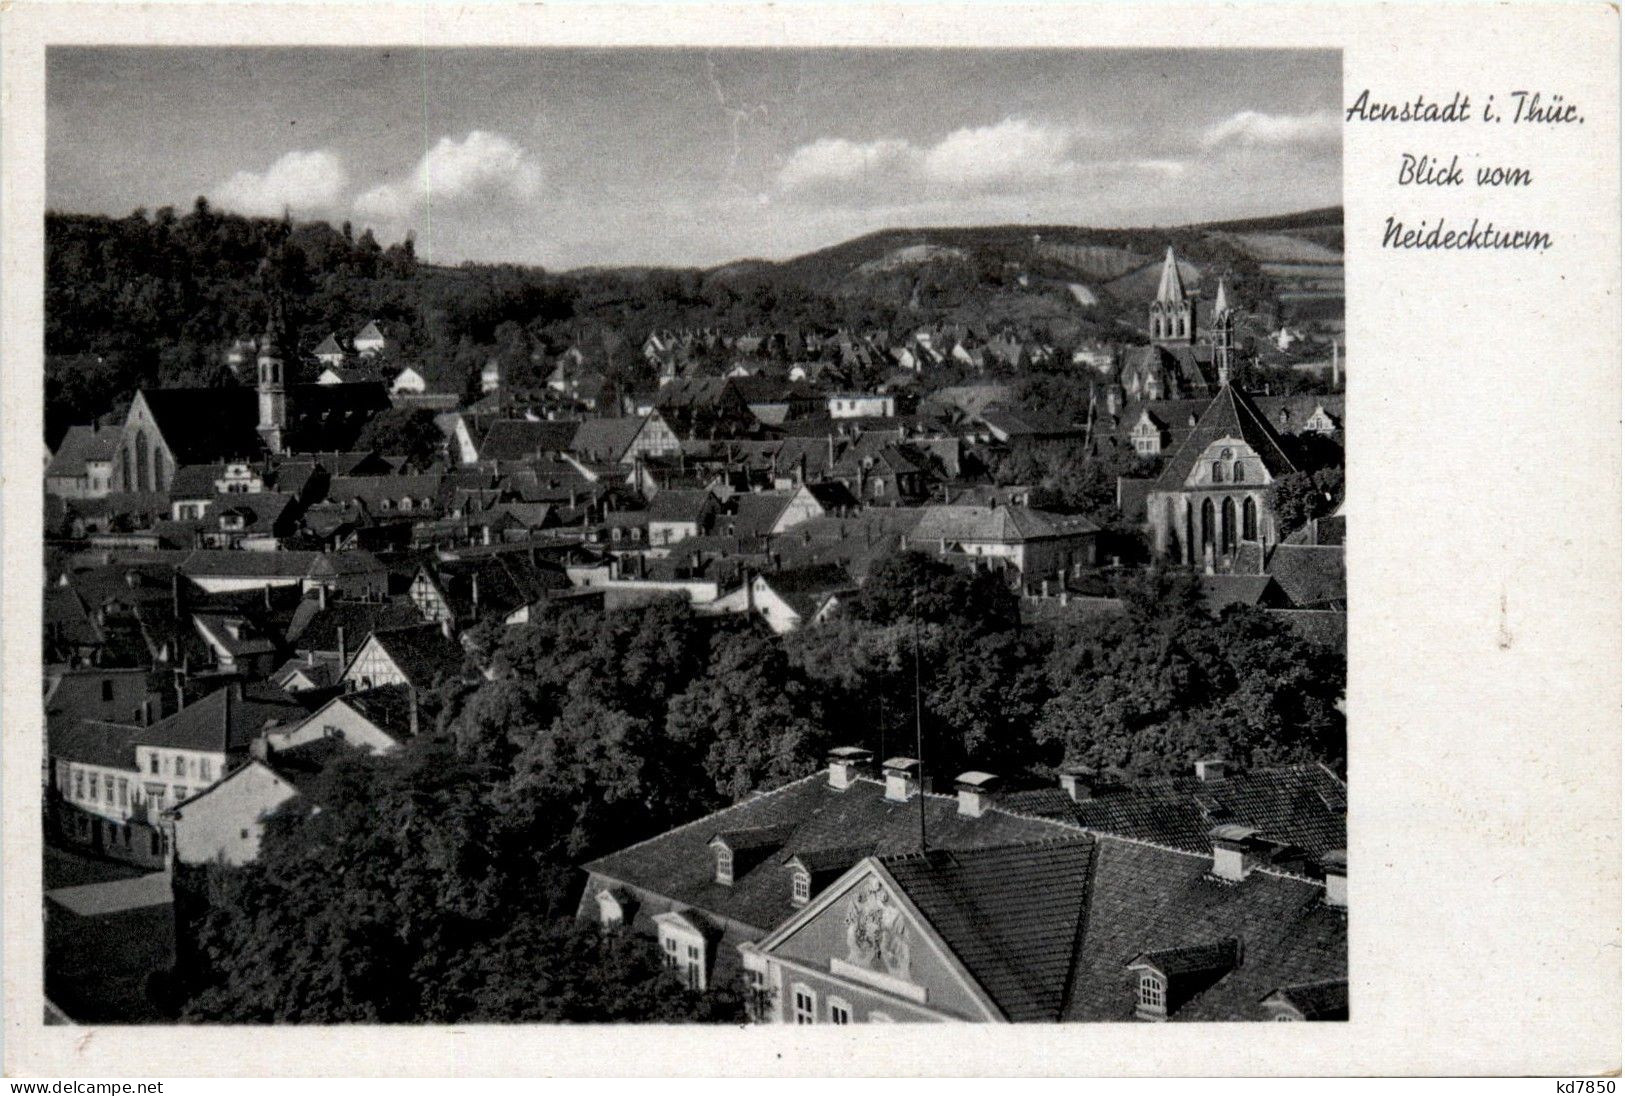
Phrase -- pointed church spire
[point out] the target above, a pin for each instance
(1172, 317)
(1223, 335)
(1171, 289)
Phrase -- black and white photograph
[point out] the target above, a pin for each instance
(694, 535)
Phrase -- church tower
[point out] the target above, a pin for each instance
(1224, 335)
(1173, 315)
(273, 396)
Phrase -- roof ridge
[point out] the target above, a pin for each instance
(705, 818)
(1261, 422)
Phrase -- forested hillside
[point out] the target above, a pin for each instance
(156, 298)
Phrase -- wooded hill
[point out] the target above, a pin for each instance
(156, 298)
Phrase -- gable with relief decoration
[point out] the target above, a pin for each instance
(865, 933)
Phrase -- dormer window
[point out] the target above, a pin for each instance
(683, 948)
(800, 888)
(725, 865)
(1153, 1002)
(611, 913)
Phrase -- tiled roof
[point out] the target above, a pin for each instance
(422, 652)
(387, 707)
(756, 512)
(1221, 590)
(223, 562)
(247, 641)
(507, 581)
(221, 722)
(195, 481)
(1326, 1000)
(1230, 415)
(1301, 805)
(316, 629)
(373, 491)
(93, 742)
(1010, 916)
(1299, 409)
(678, 864)
(356, 561)
(605, 439)
(805, 588)
(1145, 899)
(1193, 959)
(261, 511)
(81, 444)
(519, 439)
(1311, 575)
(1008, 524)
(321, 670)
(1028, 424)
(681, 504)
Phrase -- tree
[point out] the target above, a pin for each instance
(406, 431)
(753, 715)
(580, 974)
(912, 585)
(1151, 691)
(1297, 498)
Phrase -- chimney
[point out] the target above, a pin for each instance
(1210, 769)
(1080, 782)
(975, 792)
(1336, 865)
(321, 595)
(343, 661)
(902, 778)
(845, 762)
(259, 748)
(175, 592)
(1233, 851)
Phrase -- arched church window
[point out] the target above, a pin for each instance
(1218, 471)
(1225, 454)
(1238, 473)
(157, 469)
(1227, 526)
(1249, 519)
(143, 481)
(1207, 522)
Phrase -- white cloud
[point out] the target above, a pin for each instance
(1254, 128)
(482, 168)
(1012, 152)
(298, 181)
(835, 161)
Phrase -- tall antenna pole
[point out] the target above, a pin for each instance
(919, 723)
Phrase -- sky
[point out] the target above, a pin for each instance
(691, 157)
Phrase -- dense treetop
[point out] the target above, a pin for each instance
(427, 874)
